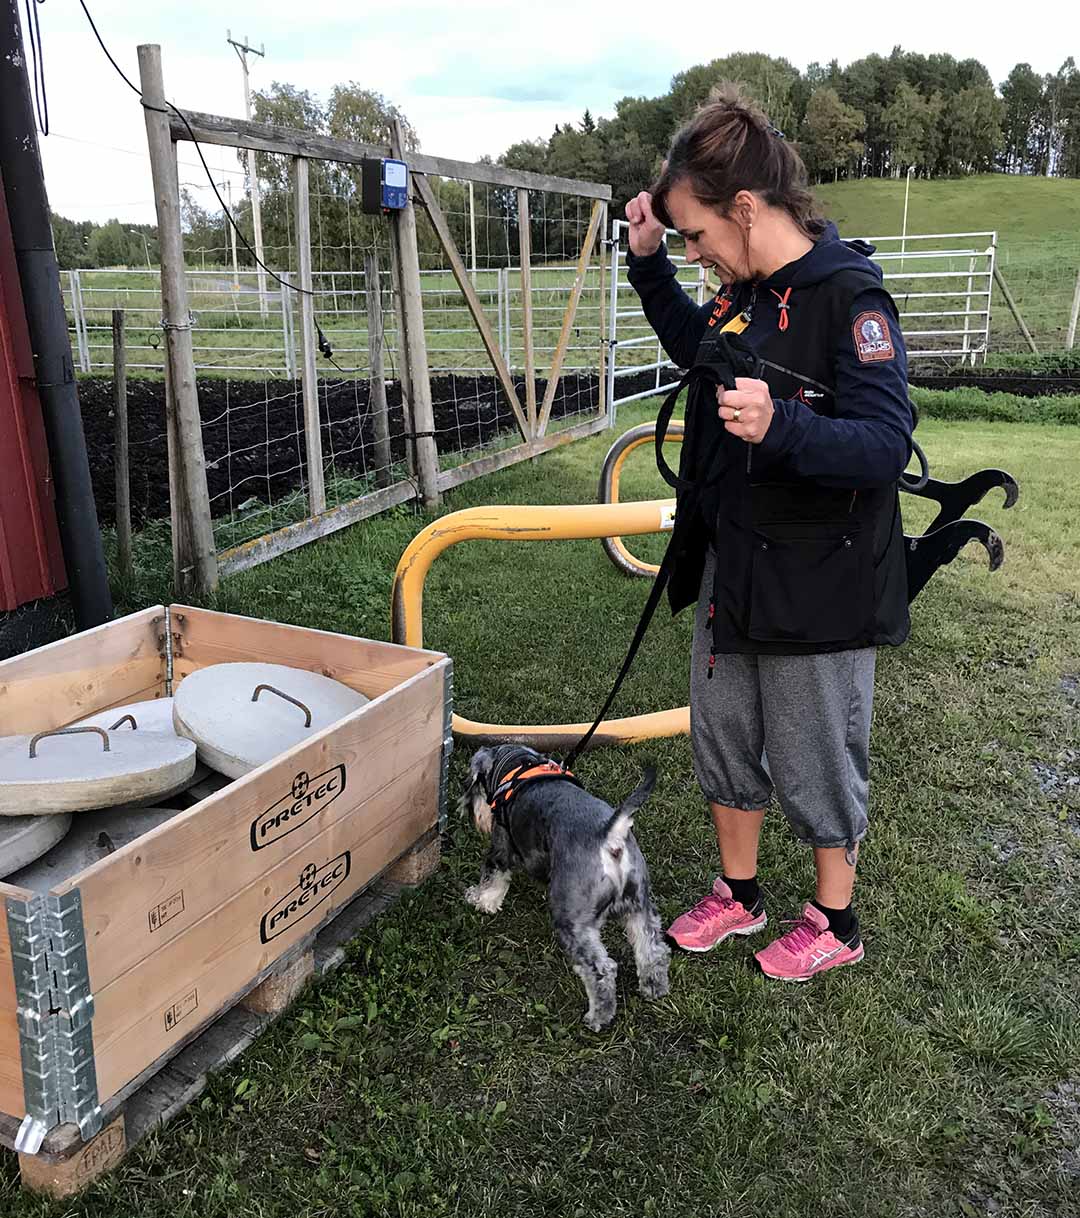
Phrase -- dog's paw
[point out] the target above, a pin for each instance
(655, 986)
(597, 1021)
(487, 900)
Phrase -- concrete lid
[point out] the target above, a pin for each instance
(26, 838)
(154, 715)
(72, 770)
(213, 706)
(93, 836)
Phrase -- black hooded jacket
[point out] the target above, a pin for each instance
(806, 524)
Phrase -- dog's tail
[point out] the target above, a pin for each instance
(618, 827)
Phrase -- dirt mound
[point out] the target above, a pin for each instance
(253, 432)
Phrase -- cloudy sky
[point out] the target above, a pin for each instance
(473, 76)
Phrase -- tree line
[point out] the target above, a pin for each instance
(83, 243)
(880, 116)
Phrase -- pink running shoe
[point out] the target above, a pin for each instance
(808, 948)
(714, 918)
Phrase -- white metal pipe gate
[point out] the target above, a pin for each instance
(943, 295)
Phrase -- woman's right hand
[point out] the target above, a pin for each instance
(646, 231)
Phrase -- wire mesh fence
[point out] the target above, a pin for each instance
(249, 349)
(1043, 276)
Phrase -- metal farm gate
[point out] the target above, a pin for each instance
(941, 282)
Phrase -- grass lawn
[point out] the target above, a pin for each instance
(1019, 208)
(1037, 221)
(446, 1070)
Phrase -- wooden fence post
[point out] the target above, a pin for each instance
(423, 415)
(402, 361)
(179, 515)
(602, 406)
(1014, 310)
(309, 376)
(122, 495)
(202, 576)
(1074, 314)
(377, 391)
(525, 251)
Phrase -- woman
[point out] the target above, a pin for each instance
(795, 552)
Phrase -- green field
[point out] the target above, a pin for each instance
(231, 333)
(1037, 221)
(1019, 209)
(445, 1071)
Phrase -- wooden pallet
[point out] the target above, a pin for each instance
(66, 1164)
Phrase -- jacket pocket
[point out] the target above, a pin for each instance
(811, 582)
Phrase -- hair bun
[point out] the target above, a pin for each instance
(731, 97)
(730, 145)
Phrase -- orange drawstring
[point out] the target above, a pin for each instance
(782, 306)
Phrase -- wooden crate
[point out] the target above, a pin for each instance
(108, 975)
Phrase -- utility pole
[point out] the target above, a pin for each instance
(243, 50)
(134, 232)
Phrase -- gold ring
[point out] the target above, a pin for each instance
(736, 413)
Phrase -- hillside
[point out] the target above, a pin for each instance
(1019, 208)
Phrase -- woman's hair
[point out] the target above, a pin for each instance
(729, 145)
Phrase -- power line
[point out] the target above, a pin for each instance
(198, 148)
(37, 56)
(142, 154)
(103, 206)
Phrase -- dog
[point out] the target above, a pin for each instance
(541, 821)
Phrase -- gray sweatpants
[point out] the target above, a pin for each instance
(799, 724)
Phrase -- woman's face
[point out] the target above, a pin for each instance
(711, 239)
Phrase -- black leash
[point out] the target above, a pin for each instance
(719, 361)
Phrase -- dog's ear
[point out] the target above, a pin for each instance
(480, 765)
(474, 798)
(641, 792)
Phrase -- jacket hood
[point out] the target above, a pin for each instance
(828, 256)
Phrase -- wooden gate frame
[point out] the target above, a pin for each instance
(532, 422)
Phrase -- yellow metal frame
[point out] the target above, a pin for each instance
(644, 433)
(531, 524)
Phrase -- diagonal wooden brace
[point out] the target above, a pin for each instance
(491, 343)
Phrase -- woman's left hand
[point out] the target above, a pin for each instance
(747, 410)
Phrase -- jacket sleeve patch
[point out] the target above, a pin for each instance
(872, 339)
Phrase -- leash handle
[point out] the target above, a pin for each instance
(663, 422)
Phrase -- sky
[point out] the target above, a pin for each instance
(472, 77)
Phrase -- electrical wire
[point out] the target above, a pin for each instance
(324, 345)
(37, 56)
(198, 148)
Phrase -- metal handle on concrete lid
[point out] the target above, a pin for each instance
(126, 719)
(296, 702)
(68, 731)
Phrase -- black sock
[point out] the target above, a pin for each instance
(746, 892)
(842, 922)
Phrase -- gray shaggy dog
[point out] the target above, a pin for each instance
(546, 825)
